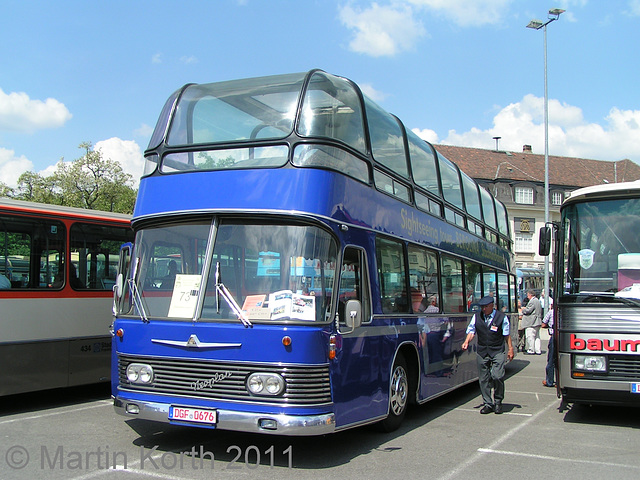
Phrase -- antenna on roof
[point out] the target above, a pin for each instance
(496, 139)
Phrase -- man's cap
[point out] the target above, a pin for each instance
(485, 301)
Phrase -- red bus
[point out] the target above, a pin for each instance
(57, 271)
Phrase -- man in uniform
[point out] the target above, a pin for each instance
(492, 328)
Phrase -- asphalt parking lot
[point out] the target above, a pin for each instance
(75, 434)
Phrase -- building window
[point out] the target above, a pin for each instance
(524, 195)
(524, 244)
(556, 198)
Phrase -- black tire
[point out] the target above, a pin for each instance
(398, 395)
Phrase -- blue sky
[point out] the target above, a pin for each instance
(458, 72)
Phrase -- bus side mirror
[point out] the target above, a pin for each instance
(119, 285)
(544, 246)
(353, 314)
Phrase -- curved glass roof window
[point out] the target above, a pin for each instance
(387, 140)
(423, 163)
(450, 182)
(488, 208)
(503, 222)
(163, 121)
(228, 158)
(325, 156)
(471, 196)
(331, 108)
(235, 111)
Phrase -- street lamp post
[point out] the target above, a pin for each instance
(554, 14)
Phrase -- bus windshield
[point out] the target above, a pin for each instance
(272, 272)
(602, 248)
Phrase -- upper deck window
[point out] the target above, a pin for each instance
(488, 208)
(331, 108)
(450, 182)
(257, 108)
(423, 163)
(503, 220)
(471, 196)
(387, 141)
(324, 156)
(226, 158)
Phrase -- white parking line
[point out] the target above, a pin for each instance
(551, 391)
(102, 403)
(456, 472)
(137, 468)
(547, 457)
(475, 410)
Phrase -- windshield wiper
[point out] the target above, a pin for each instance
(222, 290)
(629, 301)
(137, 300)
(608, 297)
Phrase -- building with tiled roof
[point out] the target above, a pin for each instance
(517, 180)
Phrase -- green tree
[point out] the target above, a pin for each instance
(36, 188)
(96, 183)
(88, 182)
(6, 190)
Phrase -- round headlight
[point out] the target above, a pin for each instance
(139, 373)
(274, 385)
(132, 373)
(255, 384)
(146, 374)
(263, 383)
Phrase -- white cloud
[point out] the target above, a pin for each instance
(372, 93)
(382, 31)
(467, 13)
(426, 134)
(188, 59)
(522, 123)
(125, 152)
(11, 167)
(19, 113)
(157, 58)
(634, 8)
(144, 131)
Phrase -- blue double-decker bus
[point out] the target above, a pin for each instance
(302, 263)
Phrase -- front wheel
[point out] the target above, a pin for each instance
(398, 395)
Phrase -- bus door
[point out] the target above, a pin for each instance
(357, 363)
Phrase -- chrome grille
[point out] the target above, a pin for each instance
(306, 385)
(599, 317)
(624, 366)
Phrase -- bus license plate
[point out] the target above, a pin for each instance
(635, 388)
(197, 415)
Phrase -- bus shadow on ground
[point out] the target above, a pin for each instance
(609, 416)
(56, 398)
(311, 453)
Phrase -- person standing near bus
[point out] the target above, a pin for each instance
(531, 322)
(492, 328)
(550, 370)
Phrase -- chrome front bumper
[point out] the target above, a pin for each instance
(294, 425)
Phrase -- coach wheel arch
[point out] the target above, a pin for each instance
(402, 388)
(410, 354)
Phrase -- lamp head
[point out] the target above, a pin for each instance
(535, 24)
(556, 11)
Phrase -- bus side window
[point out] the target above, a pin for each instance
(93, 255)
(353, 282)
(391, 276)
(453, 299)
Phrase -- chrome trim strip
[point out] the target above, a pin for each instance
(194, 342)
(298, 425)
